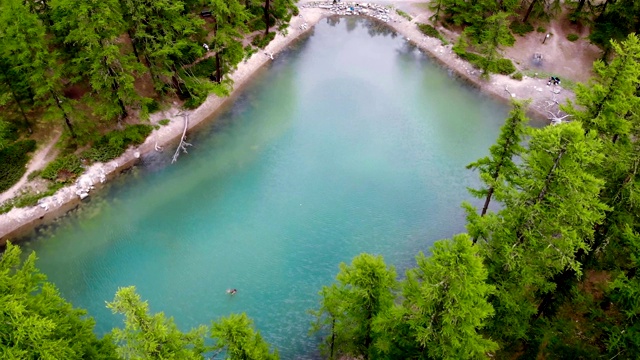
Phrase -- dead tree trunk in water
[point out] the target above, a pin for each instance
(183, 144)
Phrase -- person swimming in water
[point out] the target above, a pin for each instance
(232, 291)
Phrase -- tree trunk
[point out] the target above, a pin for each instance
(64, 114)
(218, 68)
(24, 115)
(486, 201)
(333, 337)
(267, 4)
(526, 16)
(133, 45)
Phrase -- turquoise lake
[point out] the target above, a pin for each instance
(351, 141)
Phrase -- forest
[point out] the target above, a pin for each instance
(547, 268)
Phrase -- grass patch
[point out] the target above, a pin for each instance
(517, 76)
(114, 143)
(573, 37)
(521, 28)
(566, 83)
(404, 14)
(432, 32)
(29, 199)
(13, 159)
(63, 169)
(540, 29)
(164, 122)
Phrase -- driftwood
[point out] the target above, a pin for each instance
(183, 144)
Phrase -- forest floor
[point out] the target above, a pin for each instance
(571, 61)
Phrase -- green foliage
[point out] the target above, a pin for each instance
(236, 336)
(262, 41)
(430, 31)
(151, 336)
(63, 169)
(404, 14)
(503, 66)
(164, 122)
(573, 37)
(204, 68)
(445, 302)
(14, 158)
(517, 76)
(541, 29)
(153, 106)
(521, 28)
(35, 322)
(114, 143)
(348, 309)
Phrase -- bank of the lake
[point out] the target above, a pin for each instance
(330, 153)
(22, 220)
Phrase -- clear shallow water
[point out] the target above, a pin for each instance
(352, 141)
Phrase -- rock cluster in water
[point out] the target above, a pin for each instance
(352, 8)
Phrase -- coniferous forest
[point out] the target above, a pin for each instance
(546, 270)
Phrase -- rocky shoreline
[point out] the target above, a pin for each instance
(20, 221)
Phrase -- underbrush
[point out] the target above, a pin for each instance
(521, 28)
(114, 143)
(262, 41)
(63, 169)
(432, 32)
(404, 14)
(13, 159)
(29, 198)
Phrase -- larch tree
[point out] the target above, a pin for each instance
(36, 322)
(446, 304)
(236, 337)
(606, 102)
(152, 336)
(230, 18)
(350, 307)
(28, 53)
(500, 168)
(163, 34)
(93, 28)
(545, 223)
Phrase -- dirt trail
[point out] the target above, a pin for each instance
(37, 162)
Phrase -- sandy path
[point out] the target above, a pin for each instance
(18, 221)
(37, 162)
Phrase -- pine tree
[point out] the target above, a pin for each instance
(350, 307)
(545, 223)
(152, 336)
(36, 322)
(235, 335)
(445, 302)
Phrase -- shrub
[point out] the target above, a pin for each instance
(164, 122)
(540, 29)
(63, 169)
(114, 143)
(504, 67)
(429, 31)
(263, 41)
(517, 76)
(152, 106)
(34, 174)
(521, 28)
(573, 37)
(13, 159)
(204, 68)
(404, 14)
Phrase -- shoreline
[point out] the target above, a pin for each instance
(19, 221)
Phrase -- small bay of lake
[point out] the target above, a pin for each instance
(353, 141)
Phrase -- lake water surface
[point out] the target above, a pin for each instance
(352, 141)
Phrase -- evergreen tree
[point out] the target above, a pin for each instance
(500, 167)
(235, 335)
(36, 322)
(350, 307)
(230, 18)
(94, 28)
(445, 303)
(544, 224)
(152, 336)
